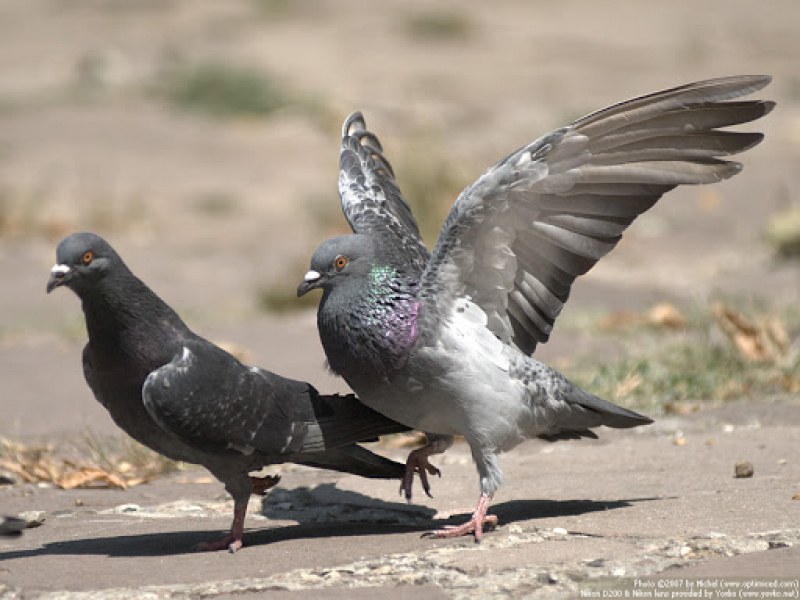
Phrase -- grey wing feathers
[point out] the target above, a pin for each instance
(371, 200)
(208, 399)
(518, 237)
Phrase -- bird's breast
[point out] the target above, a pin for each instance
(369, 341)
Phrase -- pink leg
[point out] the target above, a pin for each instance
(474, 525)
(417, 462)
(232, 541)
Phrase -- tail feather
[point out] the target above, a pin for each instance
(344, 420)
(584, 411)
(612, 414)
(356, 460)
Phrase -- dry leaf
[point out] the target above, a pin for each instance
(796, 496)
(38, 465)
(17, 469)
(88, 476)
(133, 481)
(200, 479)
(682, 408)
(755, 342)
(663, 314)
(620, 319)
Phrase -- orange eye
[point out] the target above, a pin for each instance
(340, 262)
(87, 257)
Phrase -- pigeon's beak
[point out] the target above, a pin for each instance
(311, 281)
(59, 275)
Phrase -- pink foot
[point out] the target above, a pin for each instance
(228, 542)
(261, 485)
(233, 541)
(417, 462)
(475, 525)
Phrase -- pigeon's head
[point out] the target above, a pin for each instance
(338, 260)
(82, 259)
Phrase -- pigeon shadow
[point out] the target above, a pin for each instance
(320, 512)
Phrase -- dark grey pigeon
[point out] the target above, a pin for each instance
(442, 341)
(191, 401)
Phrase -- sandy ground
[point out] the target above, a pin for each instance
(211, 211)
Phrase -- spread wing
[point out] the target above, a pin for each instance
(518, 237)
(211, 401)
(371, 200)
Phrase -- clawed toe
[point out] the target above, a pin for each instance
(261, 485)
(476, 525)
(418, 462)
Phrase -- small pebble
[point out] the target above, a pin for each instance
(685, 551)
(743, 469)
(597, 563)
(560, 531)
(33, 518)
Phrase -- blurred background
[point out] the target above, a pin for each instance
(201, 139)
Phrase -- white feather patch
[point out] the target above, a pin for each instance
(470, 321)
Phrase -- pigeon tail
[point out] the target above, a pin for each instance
(343, 420)
(356, 460)
(613, 415)
(585, 411)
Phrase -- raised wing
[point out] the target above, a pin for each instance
(518, 237)
(208, 399)
(371, 200)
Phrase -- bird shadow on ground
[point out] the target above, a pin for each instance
(320, 512)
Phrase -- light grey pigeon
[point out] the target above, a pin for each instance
(189, 400)
(442, 341)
